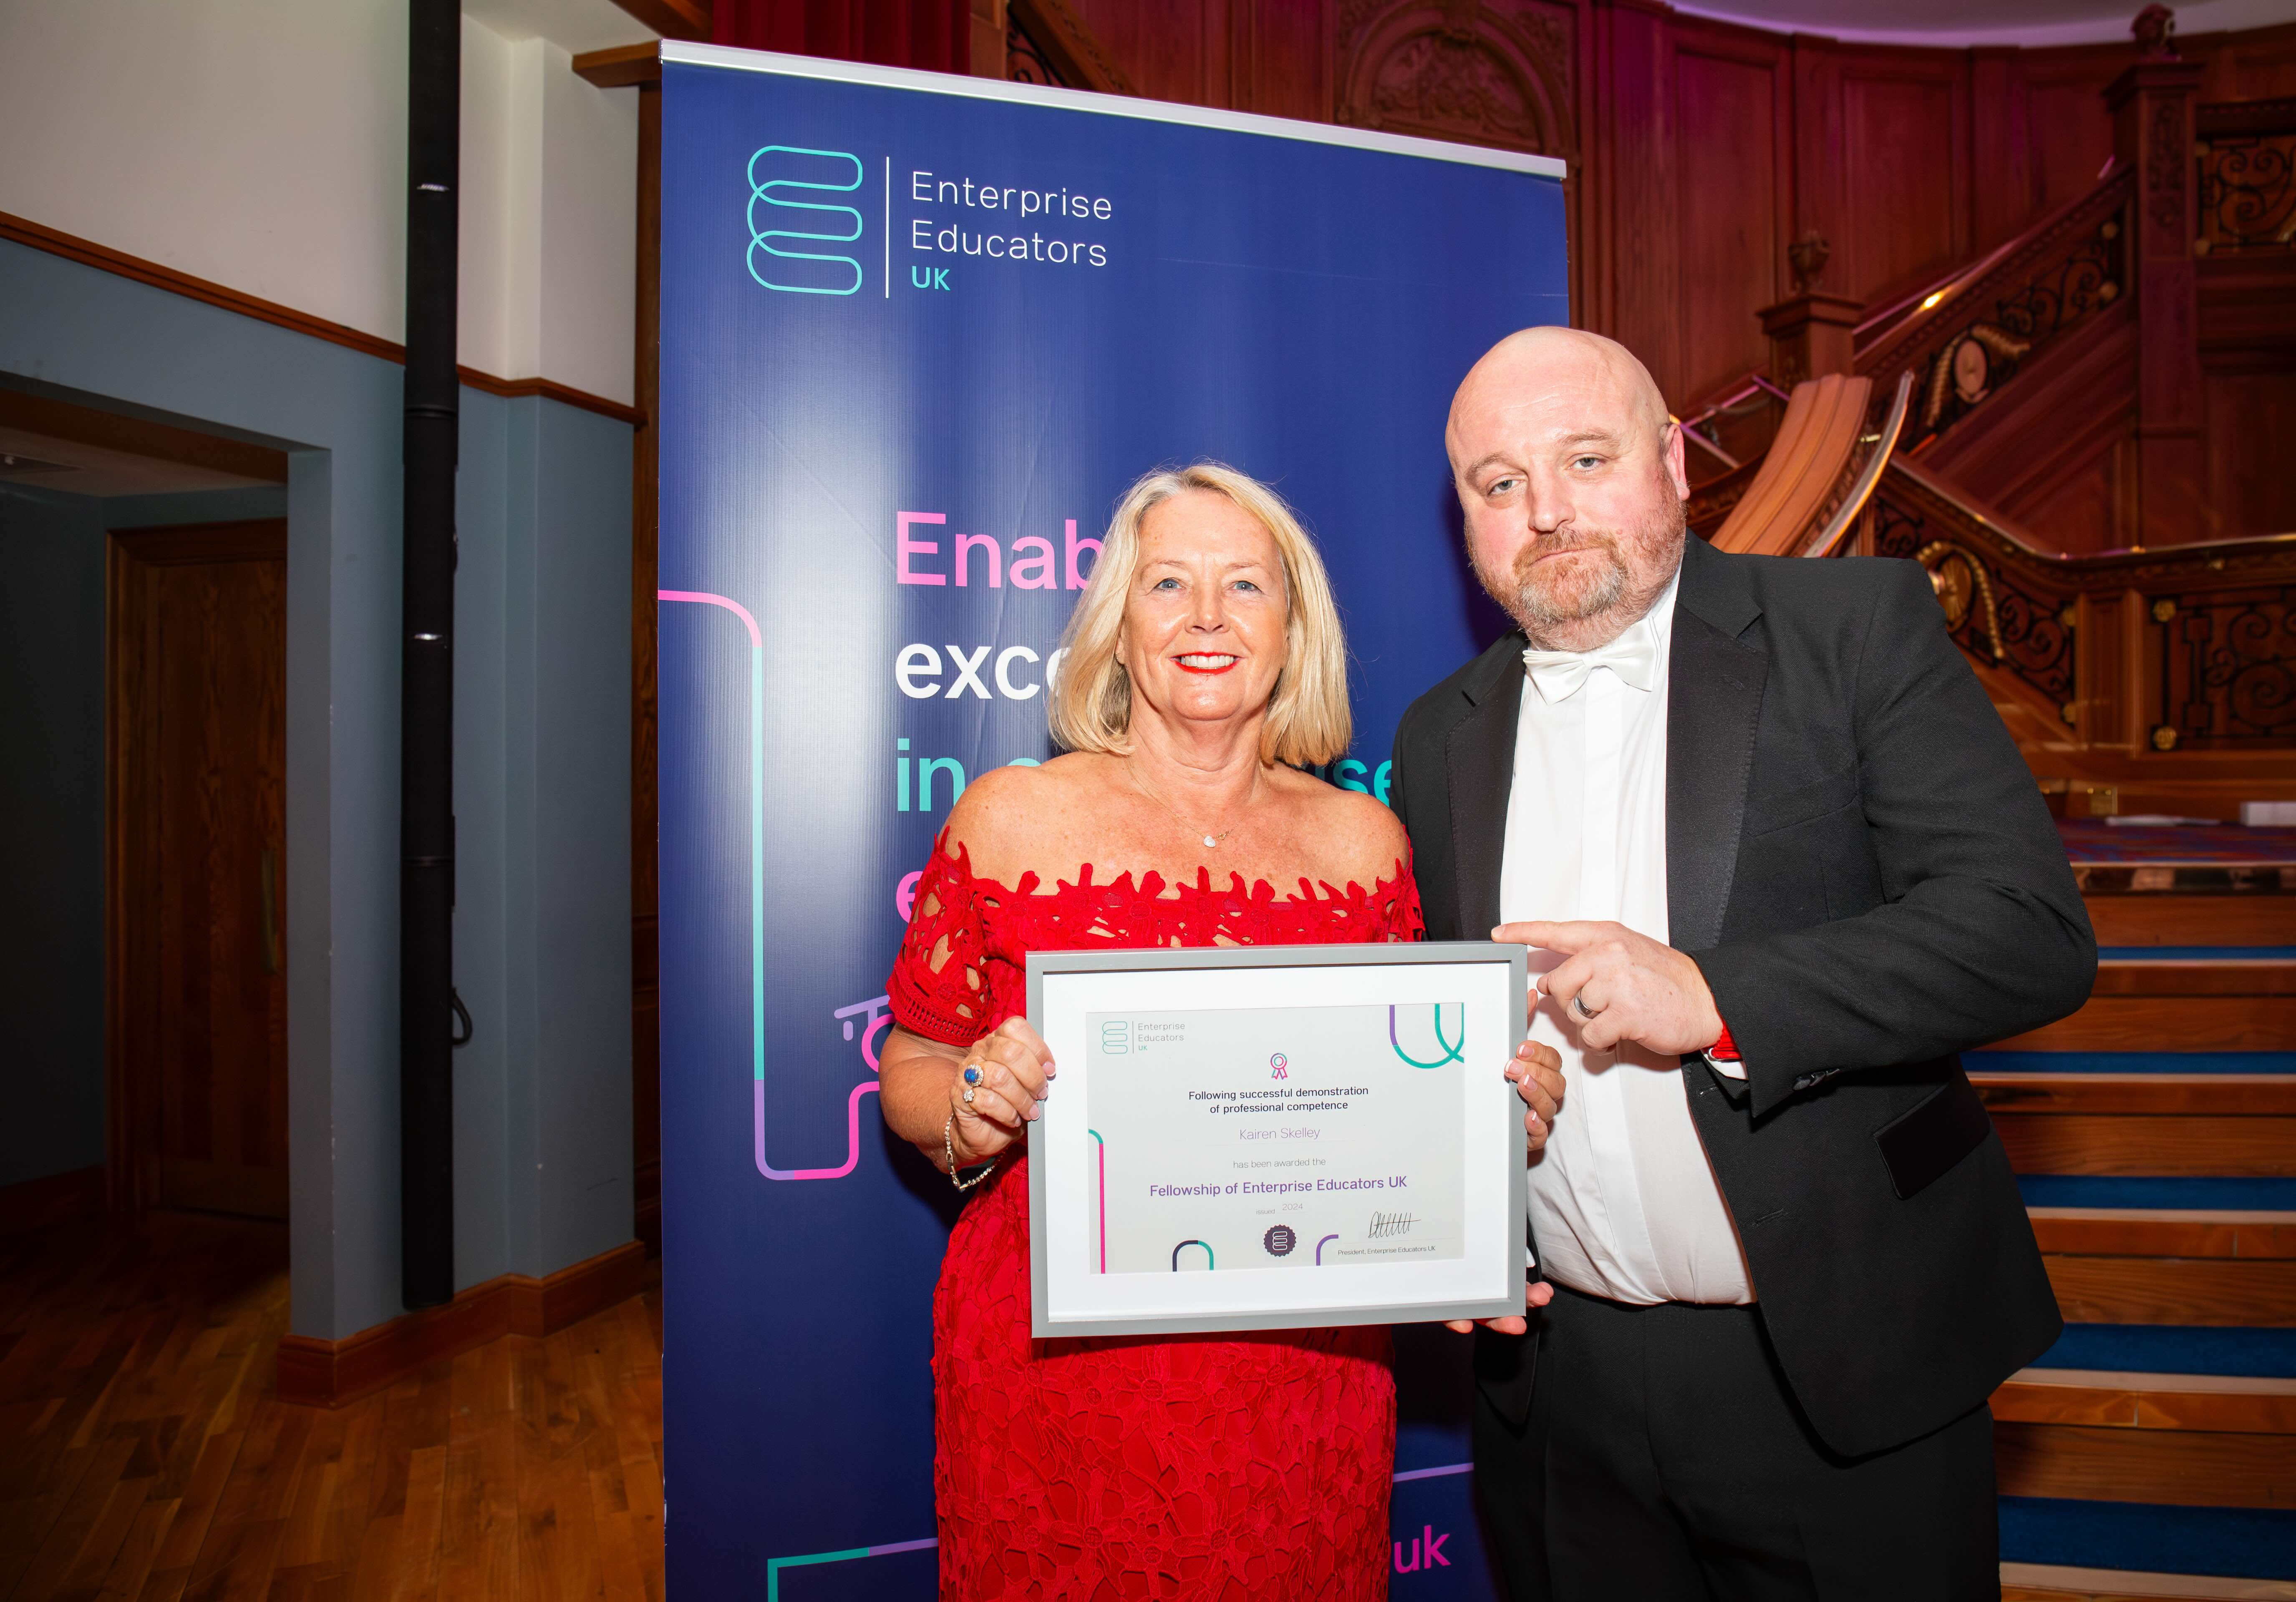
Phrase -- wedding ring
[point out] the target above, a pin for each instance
(973, 1072)
(1579, 1010)
(970, 1090)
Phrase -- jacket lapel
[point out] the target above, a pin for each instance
(1714, 704)
(1478, 759)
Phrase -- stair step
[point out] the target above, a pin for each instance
(2195, 1006)
(2141, 1094)
(1991, 1061)
(2136, 1462)
(2165, 1232)
(2233, 1124)
(2053, 1582)
(2065, 1548)
(2167, 919)
(2244, 974)
(2157, 1349)
(2225, 1403)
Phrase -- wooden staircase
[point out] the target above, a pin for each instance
(2154, 1132)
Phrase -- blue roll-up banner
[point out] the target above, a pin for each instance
(918, 334)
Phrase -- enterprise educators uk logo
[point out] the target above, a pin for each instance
(780, 176)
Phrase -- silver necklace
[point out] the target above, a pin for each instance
(1211, 841)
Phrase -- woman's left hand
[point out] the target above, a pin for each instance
(1535, 1072)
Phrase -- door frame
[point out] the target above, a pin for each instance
(131, 1089)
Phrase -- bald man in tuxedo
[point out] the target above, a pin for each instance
(1779, 863)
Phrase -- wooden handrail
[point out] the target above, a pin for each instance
(1934, 321)
(1875, 322)
(1804, 471)
(1829, 538)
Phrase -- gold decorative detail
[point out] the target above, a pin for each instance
(2162, 611)
(2111, 229)
(2164, 739)
(2069, 617)
(1958, 577)
(2201, 246)
(2107, 292)
(2070, 713)
(1965, 368)
(2104, 800)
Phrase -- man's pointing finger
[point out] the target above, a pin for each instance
(1568, 938)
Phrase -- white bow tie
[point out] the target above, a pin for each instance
(1632, 655)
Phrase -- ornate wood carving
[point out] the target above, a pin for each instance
(1496, 73)
(2247, 160)
(1984, 326)
(2223, 614)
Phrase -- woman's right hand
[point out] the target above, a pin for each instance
(1014, 1072)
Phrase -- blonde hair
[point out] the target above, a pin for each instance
(1090, 705)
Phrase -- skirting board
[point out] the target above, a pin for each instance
(320, 1373)
(59, 1198)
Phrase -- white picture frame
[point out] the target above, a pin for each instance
(1179, 1051)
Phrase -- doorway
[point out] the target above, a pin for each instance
(197, 723)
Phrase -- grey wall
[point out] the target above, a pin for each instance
(542, 807)
(543, 1156)
(52, 669)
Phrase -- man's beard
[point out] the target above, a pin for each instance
(1545, 597)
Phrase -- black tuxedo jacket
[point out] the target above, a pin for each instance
(1860, 862)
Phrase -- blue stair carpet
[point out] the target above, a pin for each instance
(2175, 1349)
(2129, 1062)
(2248, 1543)
(2206, 1193)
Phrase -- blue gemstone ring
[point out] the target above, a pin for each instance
(972, 1074)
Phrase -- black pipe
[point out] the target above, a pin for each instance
(426, 707)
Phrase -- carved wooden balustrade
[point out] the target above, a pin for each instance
(2187, 648)
(1968, 335)
(2247, 157)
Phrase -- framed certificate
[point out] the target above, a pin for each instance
(1276, 1137)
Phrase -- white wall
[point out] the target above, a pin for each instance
(549, 217)
(261, 144)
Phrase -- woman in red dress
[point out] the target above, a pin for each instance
(1204, 657)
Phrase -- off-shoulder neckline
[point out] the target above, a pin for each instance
(1152, 883)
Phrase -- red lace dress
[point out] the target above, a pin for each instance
(1253, 1468)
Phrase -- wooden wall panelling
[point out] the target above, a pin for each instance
(1904, 158)
(2256, 64)
(1280, 57)
(2153, 133)
(1732, 96)
(1632, 283)
(1162, 48)
(2247, 418)
(2001, 140)
(2069, 133)
(2248, 388)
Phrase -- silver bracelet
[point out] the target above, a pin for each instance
(949, 1144)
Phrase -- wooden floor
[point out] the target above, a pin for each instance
(144, 1452)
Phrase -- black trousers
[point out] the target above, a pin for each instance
(1665, 1459)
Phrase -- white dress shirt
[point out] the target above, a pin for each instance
(1623, 1202)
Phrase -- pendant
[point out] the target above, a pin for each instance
(1209, 841)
